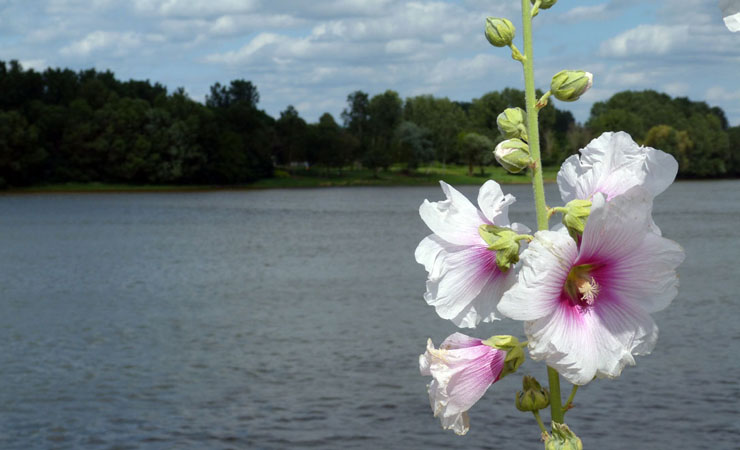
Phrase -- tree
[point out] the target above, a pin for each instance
(239, 92)
(356, 118)
(385, 114)
(640, 112)
(21, 156)
(444, 118)
(330, 151)
(292, 137)
(670, 140)
(476, 148)
(414, 145)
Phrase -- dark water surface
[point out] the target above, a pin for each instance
(294, 319)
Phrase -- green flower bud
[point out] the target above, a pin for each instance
(562, 438)
(575, 215)
(512, 123)
(533, 397)
(499, 31)
(513, 155)
(545, 4)
(514, 353)
(569, 85)
(504, 241)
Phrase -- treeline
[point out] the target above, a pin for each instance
(64, 126)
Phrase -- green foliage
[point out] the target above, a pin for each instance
(443, 118)
(415, 147)
(477, 149)
(693, 132)
(62, 126)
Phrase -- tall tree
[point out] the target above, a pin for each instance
(385, 114)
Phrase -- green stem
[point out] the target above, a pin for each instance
(542, 102)
(539, 421)
(569, 403)
(532, 126)
(557, 209)
(556, 409)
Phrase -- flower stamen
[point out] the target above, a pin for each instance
(588, 289)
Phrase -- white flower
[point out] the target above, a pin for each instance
(463, 369)
(464, 283)
(588, 307)
(731, 13)
(612, 164)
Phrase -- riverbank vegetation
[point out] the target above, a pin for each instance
(65, 128)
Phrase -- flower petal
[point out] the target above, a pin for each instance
(463, 369)
(454, 219)
(545, 266)
(465, 284)
(494, 204)
(428, 251)
(564, 339)
(568, 176)
(612, 164)
(647, 276)
(616, 229)
(600, 341)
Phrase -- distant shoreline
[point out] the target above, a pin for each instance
(314, 178)
(454, 176)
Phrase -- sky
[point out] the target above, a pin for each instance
(312, 53)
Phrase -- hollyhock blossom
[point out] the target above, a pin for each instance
(463, 369)
(588, 307)
(612, 164)
(464, 283)
(731, 14)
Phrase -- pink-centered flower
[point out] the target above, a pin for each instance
(464, 283)
(463, 369)
(612, 164)
(588, 307)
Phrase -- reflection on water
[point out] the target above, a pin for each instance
(294, 318)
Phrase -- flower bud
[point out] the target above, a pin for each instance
(513, 155)
(562, 438)
(504, 241)
(514, 353)
(499, 31)
(533, 397)
(569, 85)
(512, 123)
(545, 4)
(575, 216)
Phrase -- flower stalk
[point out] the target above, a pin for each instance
(556, 409)
(569, 403)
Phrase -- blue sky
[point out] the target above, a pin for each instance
(311, 54)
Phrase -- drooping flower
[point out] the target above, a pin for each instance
(588, 307)
(464, 283)
(463, 369)
(612, 164)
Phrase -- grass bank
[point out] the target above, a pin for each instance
(428, 175)
(317, 177)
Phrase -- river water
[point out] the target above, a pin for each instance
(288, 319)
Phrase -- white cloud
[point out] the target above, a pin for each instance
(720, 93)
(456, 70)
(35, 64)
(650, 40)
(118, 43)
(584, 13)
(677, 88)
(195, 8)
(262, 43)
